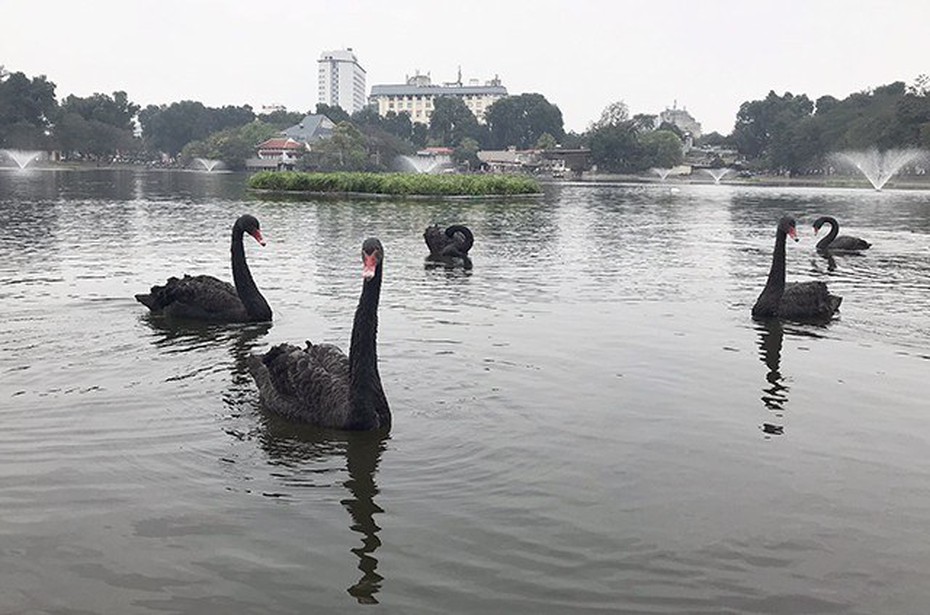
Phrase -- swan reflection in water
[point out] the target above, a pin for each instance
(193, 336)
(775, 392)
(304, 447)
(827, 256)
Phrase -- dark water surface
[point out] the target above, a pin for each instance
(587, 422)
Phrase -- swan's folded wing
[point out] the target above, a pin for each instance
(847, 242)
(329, 358)
(808, 299)
(436, 239)
(203, 291)
(306, 384)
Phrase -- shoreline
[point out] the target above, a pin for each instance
(903, 183)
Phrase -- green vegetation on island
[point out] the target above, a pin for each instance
(401, 184)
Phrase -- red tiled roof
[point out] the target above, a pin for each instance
(280, 143)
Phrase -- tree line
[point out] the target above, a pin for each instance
(793, 134)
(112, 127)
(787, 133)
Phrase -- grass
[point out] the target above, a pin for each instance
(394, 183)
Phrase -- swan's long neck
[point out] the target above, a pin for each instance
(466, 232)
(775, 285)
(834, 231)
(255, 304)
(364, 379)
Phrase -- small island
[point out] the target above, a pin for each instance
(395, 184)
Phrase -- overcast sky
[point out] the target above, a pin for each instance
(708, 55)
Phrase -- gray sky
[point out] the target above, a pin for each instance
(709, 55)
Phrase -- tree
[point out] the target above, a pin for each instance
(670, 127)
(343, 151)
(614, 114)
(573, 140)
(335, 113)
(519, 121)
(920, 87)
(614, 148)
(419, 134)
(648, 121)
(281, 119)
(398, 124)
(451, 121)
(233, 145)
(383, 147)
(96, 126)
(466, 154)
(27, 107)
(546, 141)
(114, 110)
(170, 128)
(712, 139)
(660, 148)
(763, 124)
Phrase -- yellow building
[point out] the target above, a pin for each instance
(417, 95)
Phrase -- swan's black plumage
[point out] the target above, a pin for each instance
(449, 247)
(204, 297)
(797, 301)
(832, 243)
(318, 383)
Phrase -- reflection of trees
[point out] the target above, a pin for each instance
(303, 447)
(774, 393)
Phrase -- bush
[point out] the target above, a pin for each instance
(394, 183)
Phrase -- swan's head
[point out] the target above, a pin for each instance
(788, 226)
(820, 222)
(249, 224)
(372, 255)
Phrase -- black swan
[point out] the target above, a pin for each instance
(204, 297)
(319, 384)
(449, 247)
(843, 243)
(797, 301)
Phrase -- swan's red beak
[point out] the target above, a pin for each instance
(369, 264)
(257, 234)
(793, 232)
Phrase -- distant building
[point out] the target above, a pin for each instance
(555, 162)
(342, 80)
(282, 152)
(311, 129)
(510, 160)
(682, 119)
(277, 153)
(418, 94)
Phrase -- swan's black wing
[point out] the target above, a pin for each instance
(436, 240)
(307, 384)
(201, 297)
(848, 243)
(808, 301)
(449, 247)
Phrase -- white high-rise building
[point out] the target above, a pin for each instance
(342, 80)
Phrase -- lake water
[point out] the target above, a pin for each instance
(589, 421)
